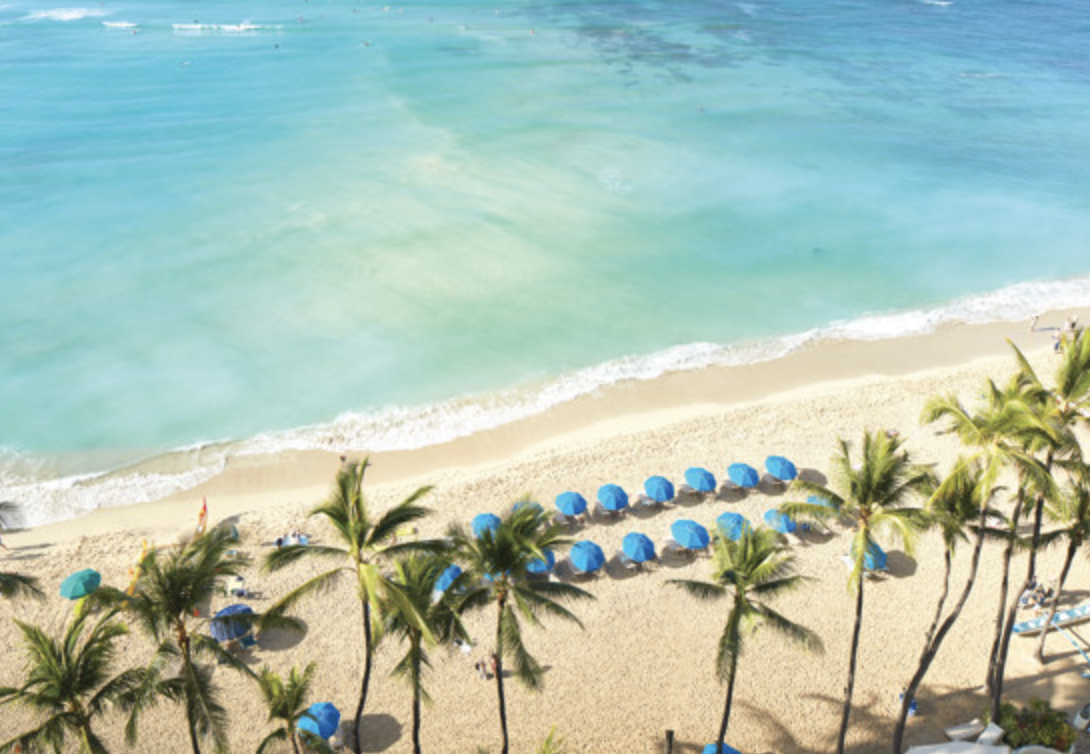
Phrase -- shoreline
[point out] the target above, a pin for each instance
(250, 480)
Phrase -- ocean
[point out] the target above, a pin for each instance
(310, 223)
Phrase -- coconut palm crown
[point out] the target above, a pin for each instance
(432, 619)
(873, 495)
(498, 562)
(67, 682)
(365, 546)
(751, 572)
(170, 604)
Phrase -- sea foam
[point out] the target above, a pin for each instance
(45, 498)
(65, 14)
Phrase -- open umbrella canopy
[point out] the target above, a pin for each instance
(529, 504)
(612, 497)
(321, 719)
(700, 479)
(447, 577)
(571, 503)
(542, 566)
(586, 556)
(743, 475)
(779, 522)
(781, 468)
(483, 522)
(80, 584)
(733, 525)
(874, 559)
(638, 547)
(689, 534)
(231, 623)
(717, 749)
(659, 488)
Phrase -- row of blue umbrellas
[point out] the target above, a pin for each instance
(661, 490)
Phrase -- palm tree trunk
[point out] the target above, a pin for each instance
(730, 698)
(948, 561)
(931, 648)
(1072, 547)
(1012, 611)
(368, 656)
(499, 677)
(851, 668)
(1004, 585)
(416, 701)
(294, 740)
(183, 643)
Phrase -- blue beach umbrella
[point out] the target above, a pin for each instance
(571, 503)
(483, 522)
(529, 504)
(638, 547)
(874, 559)
(542, 566)
(321, 719)
(229, 623)
(587, 556)
(689, 534)
(717, 749)
(779, 522)
(700, 479)
(612, 497)
(80, 584)
(733, 525)
(447, 577)
(743, 475)
(659, 488)
(781, 468)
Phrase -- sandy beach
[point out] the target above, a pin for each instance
(643, 663)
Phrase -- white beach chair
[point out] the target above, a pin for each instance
(991, 736)
(965, 731)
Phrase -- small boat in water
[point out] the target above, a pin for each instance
(1061, 619)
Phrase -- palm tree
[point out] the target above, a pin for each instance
(365, 546)
(1004, 432)
(170, 594)
(752, 571)
(498, 562)
(16, 584)
(426, 622)
(873, 499)
(287, 703)
(1072, 511)
(68, 683)
(954, 506)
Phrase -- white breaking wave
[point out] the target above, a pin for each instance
(65, 14)
(24, 480)
(119, 24)
(405, 428)
(243, 28)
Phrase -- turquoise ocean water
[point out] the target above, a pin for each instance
(337, 223)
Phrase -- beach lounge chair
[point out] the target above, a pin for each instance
(965, 731)
(991, 736)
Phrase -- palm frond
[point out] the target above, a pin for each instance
(281, 557)
(702, 590)
(526, 668)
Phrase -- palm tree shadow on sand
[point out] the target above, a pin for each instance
(279, 639)
(379, 732)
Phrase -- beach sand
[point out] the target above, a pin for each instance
(643, 663)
